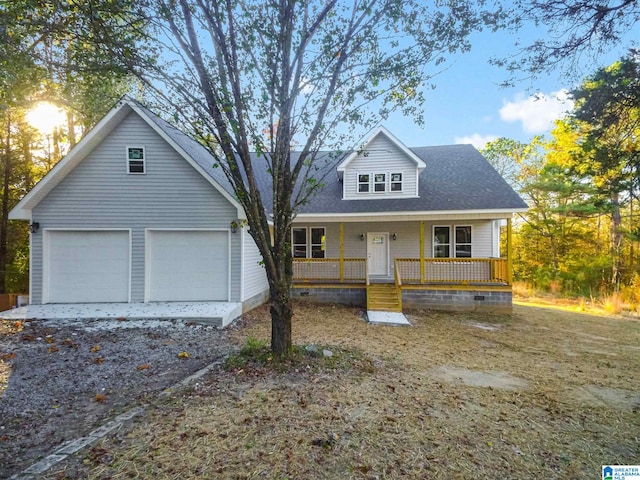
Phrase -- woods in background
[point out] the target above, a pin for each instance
(581, 234)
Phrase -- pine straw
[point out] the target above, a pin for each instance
(400, 419)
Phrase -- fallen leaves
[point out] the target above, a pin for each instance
(183, 355)
(95, 348)
(8, 356)
(98, 360)
(53, 348)
(146, 366)
(100, 397)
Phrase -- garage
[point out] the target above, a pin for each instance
(86, 266)
(187, 265)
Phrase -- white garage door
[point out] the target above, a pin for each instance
(86, 266)
(187, 266)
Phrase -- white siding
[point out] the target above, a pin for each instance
(254, 275)
(99, 193)
(381, 156)
(407, 243)
(481, 236)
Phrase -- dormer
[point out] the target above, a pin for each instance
(383, 167)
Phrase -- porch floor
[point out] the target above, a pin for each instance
(387, 318)
(216, 313)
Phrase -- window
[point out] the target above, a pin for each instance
(379, 182)
(309, 243)
(317, 242)
(363, 183)
(463, 242)
(135, 160)
(396, 182)
(442, 242)
(299, 242)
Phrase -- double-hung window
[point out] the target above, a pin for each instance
(317, 242)
(444, 247)
(136, 160)
(308, 242)
(363, 183)
(379, 182)
(441, 242)
(299, 242)
(396, 182)
(463, 242)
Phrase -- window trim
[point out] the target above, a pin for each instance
(391, 182)
(308, 245)
(322, 244)
(433, 240)
(383, 182)
(367, 183)
(306, 242)
(470, 243)
(453, 244)
(129, 160)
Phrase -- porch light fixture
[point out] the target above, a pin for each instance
(33, 228)
(394, 236)
(234, 227)
(362, 237)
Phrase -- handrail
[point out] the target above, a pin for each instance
(396, 275)
(453, 270)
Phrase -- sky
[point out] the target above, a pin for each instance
(468, 104)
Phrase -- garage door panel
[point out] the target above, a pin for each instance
(87, 266)
(187, 266)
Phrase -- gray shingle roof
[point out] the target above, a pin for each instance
(456, 177)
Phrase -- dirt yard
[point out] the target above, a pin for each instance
(542, 393)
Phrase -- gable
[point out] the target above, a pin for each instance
(99, 189)
(184, 147)
(381, 171)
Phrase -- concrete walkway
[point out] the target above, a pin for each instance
(387, 318)
(216, 313)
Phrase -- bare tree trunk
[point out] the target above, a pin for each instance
(71, 127)
(4, 215)
(616, 241)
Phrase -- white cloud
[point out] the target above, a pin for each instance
(536, 112)
(477, 140)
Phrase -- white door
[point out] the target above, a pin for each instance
(86, 266)
(187, 266)
(378, 253)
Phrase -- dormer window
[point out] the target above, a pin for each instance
(363, 183)
(379, 182)
(396, 182)
(135, 160)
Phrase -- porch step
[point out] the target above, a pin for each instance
(384, 297)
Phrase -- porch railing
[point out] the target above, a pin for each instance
(352, 270)
(459, 271)
(453, 270)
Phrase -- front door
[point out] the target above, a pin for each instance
(378, 253)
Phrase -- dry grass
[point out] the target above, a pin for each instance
(404, 403)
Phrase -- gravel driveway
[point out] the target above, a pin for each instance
(61, 379)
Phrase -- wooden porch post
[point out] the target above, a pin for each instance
(509, 253)
(421, 252)
(341, 251)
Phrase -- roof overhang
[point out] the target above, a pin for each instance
(23, 209)
(480, 214)
(367, 140)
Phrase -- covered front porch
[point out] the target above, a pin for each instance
(445, 271)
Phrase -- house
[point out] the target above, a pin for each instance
(136, 212)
